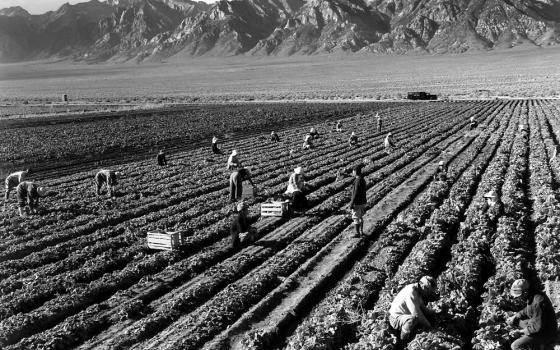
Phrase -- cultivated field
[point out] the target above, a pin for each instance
(81, 276)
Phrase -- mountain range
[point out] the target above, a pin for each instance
(148, 30)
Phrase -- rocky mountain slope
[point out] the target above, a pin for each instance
(155, 29)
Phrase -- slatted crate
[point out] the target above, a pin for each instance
(165, 240)
(280, 209)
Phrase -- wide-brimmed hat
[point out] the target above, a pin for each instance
(240, 206)
(42, 191)
(518, 287)
(234, 153)
(429, 283)
(298, 170)
(490, 194)
(441, 162)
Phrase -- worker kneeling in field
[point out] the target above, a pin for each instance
(28, 194)
(537, 320)
(274, 137)
(389, 143)
(240, 224)
(13, 180)
(161, 159)
(408, 310)
(353, 140)
(236, 183)
(107, 178)
(441, 173)
(296, 186)
(358, 202)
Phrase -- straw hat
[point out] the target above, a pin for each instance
(518, 287)
(298, 170)
(234, 153)
(441, 163)
(42, 191)
(241, 206)
(428, 282)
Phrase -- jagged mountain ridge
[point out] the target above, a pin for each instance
(155, 29)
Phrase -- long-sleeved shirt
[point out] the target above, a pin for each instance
(409, 302)
(353, 140)
(27, 192)
(388, 141)
(107, 176)
(359, 192)
(16, 178)
(540, 316)
(295, 183)
(161, 159)
(274, 138)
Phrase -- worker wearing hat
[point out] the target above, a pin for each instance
(236, 183)
(441, 173)
(13, 180)
(108, 178)
(296, 186)
(388, 143)
(313, 133)
(233, 161)
(339, 126)
(215, 148)
(408, 310)
(161, 159)
(307, 142)
(28, 194)
(240, 224)
(537, 320)
(274, 137)
(358, 202)
(353, 140)
(523, 130)
(379, 122)
(473, 123)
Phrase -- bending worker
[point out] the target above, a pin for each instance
(28, 194)
(313, 132)
(389, 143)
(296, 185)
(473, 124)
(441, 173)
(13, 180)
(274, 137)
(353, 140)
(236, 183)
(537, 320)
(107, 178)
(233, 161)
(307, 143)
(408, 310)
(240, 224)
(161, 160)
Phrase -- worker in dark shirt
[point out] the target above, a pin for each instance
(353, 140)
(537, 320)
(236, 183)
(240, 224)
(161, 160)
(274, 137)
(358, 201)
(28, 194)
(473, 124)
(215, 148)
(108, 178)
(313, 132)
(339, 126)
(441, 173)
(379, 122)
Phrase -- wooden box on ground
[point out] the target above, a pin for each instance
(249, 191)
(165, 240)
(281, 209)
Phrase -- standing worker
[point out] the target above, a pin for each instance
(233, 161)
(274, 137)
(339, 126)
(107, 178)
(296, 185)
(358, 202)
(161, 160)
(13, 180)
(408, 310)
(537, 320)
(379, 122)
(441, 173)
(240, 224)
(236, 183)
(215, 148)
(307, 143)
(28, 194)
(353, 140)
(389, 143)
(473, 124)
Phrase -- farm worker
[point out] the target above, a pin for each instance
(236, 183)
(339, 126)
(408, 310)
(233, 161)
(13, 180)
(161, 160)
(358, 202)
(537, 320)
(353, 140)
(215, 148)
(523, 131)
(441, 173)
(107, 178)
(473, 124)
(296, 186)
(491, 198)
(28, 194)
(556, 151)
(240, 224)
(379, 122)
(274, 137)
(307, 143)
(388, 142)
(313, 132)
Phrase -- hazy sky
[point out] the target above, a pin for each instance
(40, 6)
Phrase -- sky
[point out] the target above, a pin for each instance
(37, 7)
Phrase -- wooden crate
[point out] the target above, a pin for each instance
(165, 240)
(280, 209)
(249, 191)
